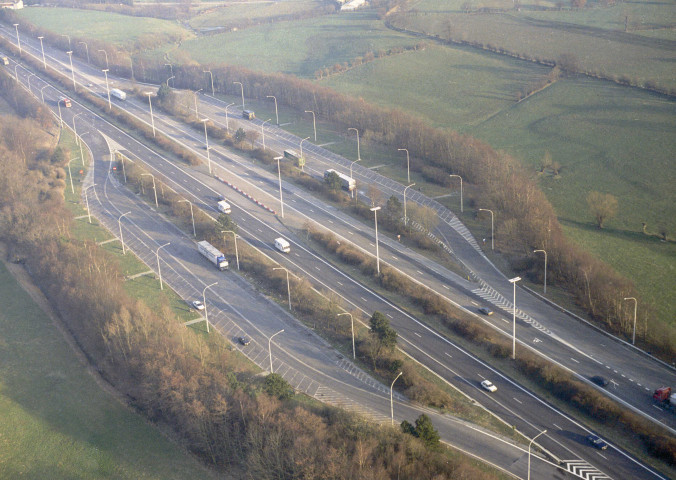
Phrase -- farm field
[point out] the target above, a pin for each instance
(55, 421)
(299, 48)
(243, 13)
(122, 30)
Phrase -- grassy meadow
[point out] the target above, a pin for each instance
(236, 13)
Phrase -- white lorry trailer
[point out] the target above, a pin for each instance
(213, 254)
(119, 94)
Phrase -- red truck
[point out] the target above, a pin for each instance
(665, 398)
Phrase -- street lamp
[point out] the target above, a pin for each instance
(42, 92)
(302, 167)
(106, 54)
(314, 123)
(408, 163)
(16, 74)
(276, 112)
(105, 71)
(288, 287)
(194, 234)
(529, 445)
(72, 72)
(42, 47)
(354, 354)
(119, 223)
(279, 174)
(70, 175)
(392, 397)
(263, 131)
(357, 131)
(242, 89)
(150, 104)
(212, 81)
(513, 282)
(29, 81)
(461, 207)
(204, 301)
(75, 129)
(270, 348)
(206, 140)
(68, 37)
(352, 163)
(131, 67)
(227, 128)
(18, 40)
(169, 79)
(171, 69)
(87, 201)
(236, 252)
(154, 189)
(633, 337)
(405, 216)
(159, 270)
(86, 49)
(195, 94)
(375, 213)
(545, 283)
(491, 212)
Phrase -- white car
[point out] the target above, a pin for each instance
(488, 385)
(197, 305)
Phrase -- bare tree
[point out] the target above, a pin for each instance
(603, 206)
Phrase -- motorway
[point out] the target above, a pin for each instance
(259, 227)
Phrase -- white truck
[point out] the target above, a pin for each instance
(282, 245)
(119, 94)
(213, 254)
(224, 207)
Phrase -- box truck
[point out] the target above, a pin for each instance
(212, 254)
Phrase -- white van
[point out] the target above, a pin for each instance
(224, 207)
(282, 245)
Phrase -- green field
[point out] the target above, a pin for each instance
(56, 422)
(238, 13)
(121, 30)
(299, 48)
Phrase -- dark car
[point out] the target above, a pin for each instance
(597, 442)
(486, 311)
(599, 380)
(244, 341)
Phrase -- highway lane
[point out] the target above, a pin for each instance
(198, 187)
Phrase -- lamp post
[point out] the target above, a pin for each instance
(29, 81)
(154, 189)
(491, 212)
(529, 445)
(105, 71)
(392, 397)
(212, 81)
(16, 74)
(276, 112)
(227, 128)
(288, 287)
(106, 54)
(263, 131)
(204, 301)
(633, 337)
(241, 87)
(150, 104)
(236, 252)
(119, 224)
(408, 164)
(58, 105)
(75, 129)
(270, 348)
(168, 81)
(513, 282)
(42, 92)
(68, 37)
(354, 354)
(461, 206)
(357, 131)
(171, 70)
(86, 49)
(206, 140)
(70, 175)
(375, 213)
(314, 123)
(302, 168)
(195, 95)
(42, 47)
(545, 283)
(279, 175)
(159, 270)
(18, 40)
(72, 72)
(87, 201)
(194, 234)
(405, 216)
(131, 67)
(352, 163)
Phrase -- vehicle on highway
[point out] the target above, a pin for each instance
(197, 305)
(599, 380)
(5, 61)
(65, 102)
(595, 441)
(248, 114)
(346, 182)
(486, 311)
(224, 207)
(213, 254)
(282, 245)
(117, 93)
(244, 340)
(488, 385)
(665, 398)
